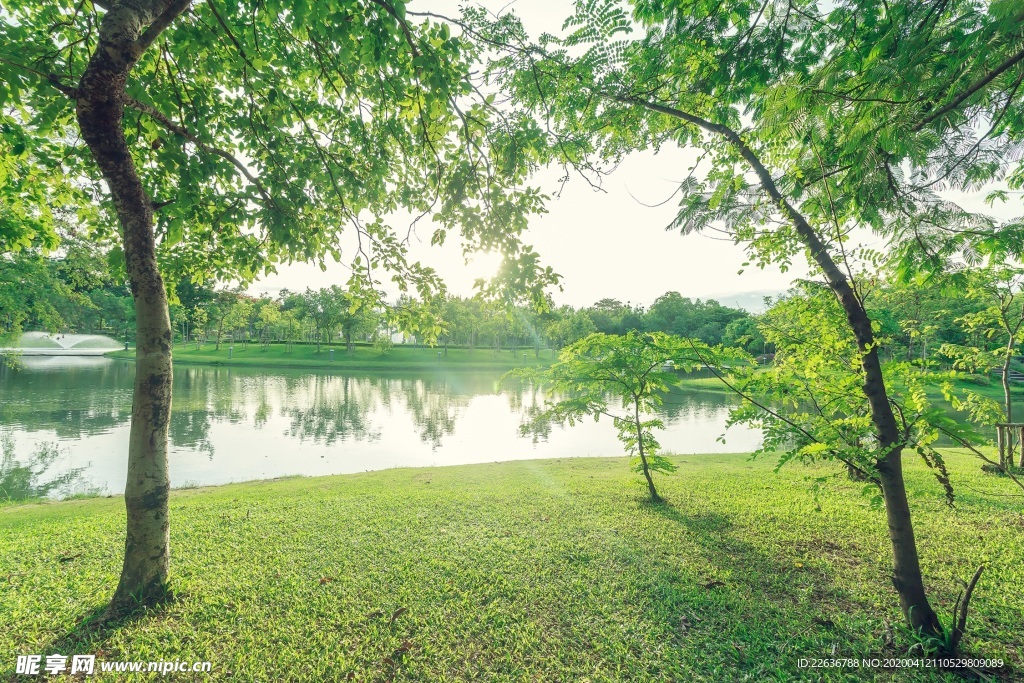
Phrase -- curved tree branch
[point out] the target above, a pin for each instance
(1009, 63)
(153, 31)
(179, 129)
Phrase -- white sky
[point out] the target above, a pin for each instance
(604, 244)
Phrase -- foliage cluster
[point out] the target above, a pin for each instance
(623, 378)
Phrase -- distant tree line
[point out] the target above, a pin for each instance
(335, 315)
(964, 321)
(78, 290)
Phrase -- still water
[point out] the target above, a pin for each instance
(236, 424)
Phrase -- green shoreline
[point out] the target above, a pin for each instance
(523, 570)
(420, 359)
(425, 359)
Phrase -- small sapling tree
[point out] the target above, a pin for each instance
(622, 378)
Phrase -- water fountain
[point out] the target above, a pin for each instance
(59, 344)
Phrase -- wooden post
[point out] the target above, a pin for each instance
(1001, 443)
(1010, 439)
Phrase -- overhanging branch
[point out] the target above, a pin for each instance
(975, 87)
(52, 79)
(179, 129)
(402, 23)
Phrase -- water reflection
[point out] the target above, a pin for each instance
(32, 477)
(435, 405)
(230, 424)
(74, 397)
(327, 409)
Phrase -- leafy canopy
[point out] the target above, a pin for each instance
(264, 132)
(858, 112)
(809, 403)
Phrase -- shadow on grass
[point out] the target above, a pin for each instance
(739, 577)
(712, 533)
(715, 536)
(91, 630)
(96, 625)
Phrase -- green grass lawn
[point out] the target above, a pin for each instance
(361, 357)
(521, 571)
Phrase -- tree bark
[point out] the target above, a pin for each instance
(124, 33)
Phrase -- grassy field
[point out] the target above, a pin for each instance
(521, 571)
(361, 357)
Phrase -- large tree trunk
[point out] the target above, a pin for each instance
(101, 101)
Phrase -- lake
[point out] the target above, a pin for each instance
(237, 424)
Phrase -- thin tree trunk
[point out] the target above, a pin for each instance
(100, 110)
(906, 578)
(1020, 441)
(1007, 400)
(655, 498)
(906, 566)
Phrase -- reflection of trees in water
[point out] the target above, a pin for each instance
(73, 401)
(203, 396)
(689, 405)
(25, 479)
(217, 390)
(191, 429)
(433, 405)
(527, 400)
(327, 409)
(520, 395)
(79, 402)
(194, 390)
(264, 410)
(679, 405)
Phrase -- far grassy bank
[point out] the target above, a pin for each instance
(523, 571)
(361, 357)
